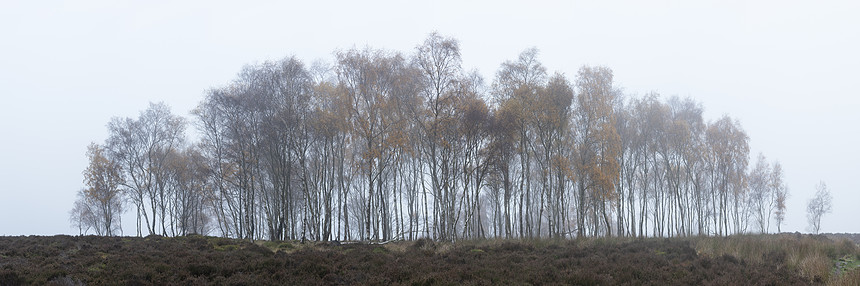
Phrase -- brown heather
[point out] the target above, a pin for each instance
(199, 260)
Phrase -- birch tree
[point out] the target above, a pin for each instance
(818, 206)
(100, 203)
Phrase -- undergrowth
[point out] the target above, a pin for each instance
(200, 260)
(814, 257)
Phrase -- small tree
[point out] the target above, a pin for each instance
(780, 192)
(81, 216)
(761, 189)
(818, 206)
(99, 205)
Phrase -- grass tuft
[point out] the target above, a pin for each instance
(813, 257)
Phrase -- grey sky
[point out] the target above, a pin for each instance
(788, 70)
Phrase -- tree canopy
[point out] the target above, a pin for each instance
(388, 145)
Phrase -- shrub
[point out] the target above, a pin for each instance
(8, 277)
(425, 245)
(63, 281)
(847, 247)
(202, 269)
(851, 278)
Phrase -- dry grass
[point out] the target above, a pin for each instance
(813, 257)
(848, 279)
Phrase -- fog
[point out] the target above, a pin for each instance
(786, 70)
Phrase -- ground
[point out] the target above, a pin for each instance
(200, 260)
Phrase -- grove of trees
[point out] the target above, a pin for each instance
(383, 145)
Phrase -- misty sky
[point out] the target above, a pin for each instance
(789, 71)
